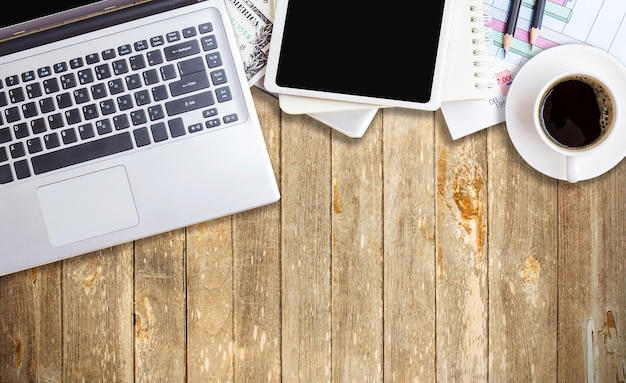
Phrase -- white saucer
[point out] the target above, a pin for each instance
(528, 83)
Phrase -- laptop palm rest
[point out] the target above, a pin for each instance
(87, 206)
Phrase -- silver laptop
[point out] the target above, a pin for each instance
(120, 121)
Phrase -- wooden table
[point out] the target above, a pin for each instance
(403, 256)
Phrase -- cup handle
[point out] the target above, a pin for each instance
(573, 169)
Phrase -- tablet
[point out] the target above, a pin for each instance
(386, 54)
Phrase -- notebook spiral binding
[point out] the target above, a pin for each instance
(483, 75)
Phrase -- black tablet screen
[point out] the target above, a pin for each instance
(384, 50)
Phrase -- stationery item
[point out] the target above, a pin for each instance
(572, 151)
(586, 22)
(322, 54)
(511, 24)
(535, 26)
(467, 73)
(122, 125)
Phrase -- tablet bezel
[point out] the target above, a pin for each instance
(438, 73)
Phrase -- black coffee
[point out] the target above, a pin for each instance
(576, 112)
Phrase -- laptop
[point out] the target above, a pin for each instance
(120, 120)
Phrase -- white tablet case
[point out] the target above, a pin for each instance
(303, 105)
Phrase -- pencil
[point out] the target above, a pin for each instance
(535, 25)
(511, 24)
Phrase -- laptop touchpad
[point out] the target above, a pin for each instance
(87, 206)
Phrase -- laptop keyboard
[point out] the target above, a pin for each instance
(168, 81)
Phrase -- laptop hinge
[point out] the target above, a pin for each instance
(89, 25)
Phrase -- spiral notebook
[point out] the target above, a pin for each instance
(467, 68)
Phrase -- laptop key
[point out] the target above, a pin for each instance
(21, 169)
(12, 80)
(190, 66)
(87, 151)
(12, 114)
(189, 83)
(34, 145)
(92, 58)
(51, 140)
(20, 130)
(186, 104)
(68, 81)
(5, 135)
(17, 150)
(46, 105)
(6, 175)
(38, 125)
(33, 90)
(181, 50)
(16, 95)
(159, 132)
(51, 85)
(142, 136)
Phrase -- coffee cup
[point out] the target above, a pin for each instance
(576, 114)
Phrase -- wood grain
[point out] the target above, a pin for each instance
(591, 279)
(31, 337)
(409, 246)
(97, 307)
(357, 257)
(403, 256)
(257, 294)
(462, 276)
(160, 308)
(306, 250)
(210, 322)
(522, 267)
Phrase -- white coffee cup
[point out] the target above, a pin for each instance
(575, 114)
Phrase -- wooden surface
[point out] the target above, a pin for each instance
(403, 256)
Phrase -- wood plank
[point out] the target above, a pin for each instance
(306, 250)
(210, 343)
(257, 282)
(30, 325)
(591, 277)
(160, 308)
(576, 276)
(462, 278)
(409, 246)
(609, 288)
(98, 316)
(523, 232)
(357, 259)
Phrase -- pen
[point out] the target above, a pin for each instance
(511, 24)
(536, 22)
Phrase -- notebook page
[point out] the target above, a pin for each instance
(466, 74)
